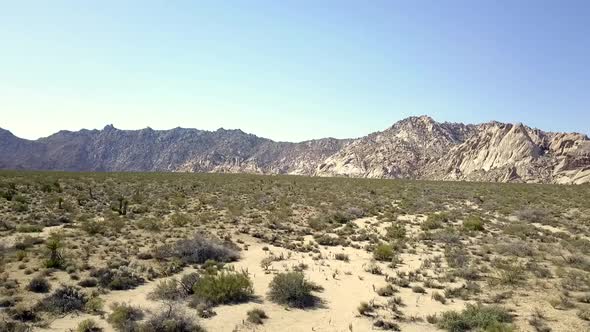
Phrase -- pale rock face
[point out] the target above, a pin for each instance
(415, 148)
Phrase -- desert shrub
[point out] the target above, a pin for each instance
(256, 316)
(386, 325)
(540, 271)
(93, 227)
(8, 301)
(584, 314)
(124, 317)
(456, 256)
(117, 279)
(39, 285)
(166, 290)
(439, 297)
(224, 287)
(474, 317)
(448, 236)
(28, 228)
(365, 308)
(537, 321)
(88, 282)
(20, 207)
(396, 232)
(418, 289)
(188, 282)
(149, 224)
(329, 240)
(532, 214)
(473, 223)
(434, 221)
(386, 291)
(198, 250)
(383, 252)
(509, 273)
(180, 219)
(292, 289)
(521, 230)
(23, 313)
(516, 248)
(563, 302)
(94, 305)
(341, 257)
(64, 300)
(373, 268)
(575, 280)
(171, 320)
(144, 256)
(88, 325)
(464, 292)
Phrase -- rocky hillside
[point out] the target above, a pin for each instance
(416, 147)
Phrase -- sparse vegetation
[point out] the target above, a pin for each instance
(487, 318)
(446, 243)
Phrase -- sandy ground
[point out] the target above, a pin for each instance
(346, 285)
(11, 240)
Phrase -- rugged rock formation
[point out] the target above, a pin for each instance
(416, 147)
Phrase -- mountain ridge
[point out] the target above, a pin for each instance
(416, 147)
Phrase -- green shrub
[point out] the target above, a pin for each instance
(93, 227)
(341, 257)
(167, 290)
(224, 287)
(473, 223)
(124, 317)
(88, 325)
(170, 321)
(474, 317)
(180, 219)
(94, 305)
(117, 279)
(149, 224)
(292, 289)
(434, 221)
(188, 282)
(383, 252)
(396, 232)
(29, 228)
(386, 291)
(257, 316)
(329, 240)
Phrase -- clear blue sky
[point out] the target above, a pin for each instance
(292, 70)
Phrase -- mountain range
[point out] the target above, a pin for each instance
(413, 148)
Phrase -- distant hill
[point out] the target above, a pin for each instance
(413, 148)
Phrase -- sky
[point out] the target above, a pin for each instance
(292, 70)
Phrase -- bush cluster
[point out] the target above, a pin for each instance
(292, 289)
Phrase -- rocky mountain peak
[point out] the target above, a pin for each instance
(416, 147)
